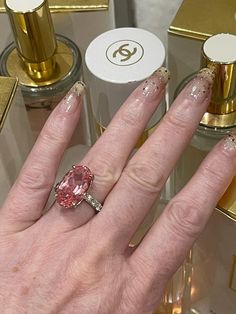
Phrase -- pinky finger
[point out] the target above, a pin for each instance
(167, 243)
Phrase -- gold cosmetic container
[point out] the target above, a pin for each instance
(34, 59)
(39, 58)
(221, 112)
(46, 65)
(227, 204)
(15, 134)
(194, 22)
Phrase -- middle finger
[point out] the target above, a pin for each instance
(146, 173)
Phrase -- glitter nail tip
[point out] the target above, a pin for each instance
(230, 142)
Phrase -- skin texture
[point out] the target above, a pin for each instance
(73, 261)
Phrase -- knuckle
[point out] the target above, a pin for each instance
(133, 114)
(214, 180)
(145, 177)
(35, 179)
(176, 121)
(105, 173)
(184, 218)
(54, 135)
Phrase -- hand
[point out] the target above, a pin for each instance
(73, 261)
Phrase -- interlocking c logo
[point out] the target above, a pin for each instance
(124, 52)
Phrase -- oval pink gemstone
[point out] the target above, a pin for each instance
(69, 192)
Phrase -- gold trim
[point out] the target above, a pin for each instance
(8, 87)
(219, 120)
(187, 33)
(60, 6)
(201, 19)
(227, 204)
(232, 279)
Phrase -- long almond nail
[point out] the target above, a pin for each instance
(70, 102)
(199, 89)
(153, 85)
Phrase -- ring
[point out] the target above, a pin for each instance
(73, 187)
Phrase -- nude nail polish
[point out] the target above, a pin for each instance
(70, 102)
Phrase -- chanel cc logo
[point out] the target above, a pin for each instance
(232, 281)
(124, 52)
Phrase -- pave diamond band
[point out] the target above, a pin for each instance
(93, 202)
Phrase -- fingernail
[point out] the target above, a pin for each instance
(229, 143)
(71, 101)
(207, 74)
(199, 89)
(153, 85)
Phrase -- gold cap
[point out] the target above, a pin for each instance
(219, 54)
(227, 204)
(34, 35)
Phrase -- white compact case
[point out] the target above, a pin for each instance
(118, 60)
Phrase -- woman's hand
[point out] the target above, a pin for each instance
(73, 261)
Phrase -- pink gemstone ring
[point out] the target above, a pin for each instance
(73, 187)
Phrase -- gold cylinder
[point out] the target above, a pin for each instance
(227, 204)
(35, 39)
(222, 109)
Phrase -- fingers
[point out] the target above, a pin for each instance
(108, 156)
(30, 192)
(167, 243)
(146, 173)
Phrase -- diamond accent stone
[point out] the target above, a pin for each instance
(71, 189)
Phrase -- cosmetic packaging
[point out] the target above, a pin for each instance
(78, 20)
(118, 60)
(45, 65)
(205, 284)
(15, 134)
(194, 22)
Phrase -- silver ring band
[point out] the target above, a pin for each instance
(92, 202)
